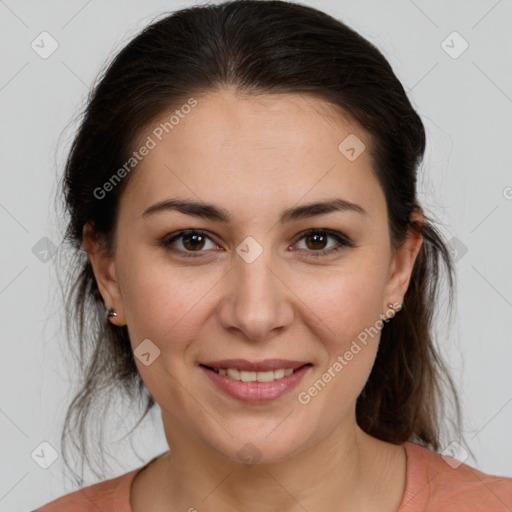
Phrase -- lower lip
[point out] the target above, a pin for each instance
(256, 391)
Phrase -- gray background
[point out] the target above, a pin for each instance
(466, 183)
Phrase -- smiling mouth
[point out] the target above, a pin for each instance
(251, 376)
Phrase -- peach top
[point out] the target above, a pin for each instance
(432, 485)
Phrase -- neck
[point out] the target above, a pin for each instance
(346, 471)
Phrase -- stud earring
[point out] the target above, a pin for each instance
(110, 312)
(393, 307)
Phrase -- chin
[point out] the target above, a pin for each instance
(269, 445)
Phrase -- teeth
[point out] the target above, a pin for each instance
(245, 376)
(234, 374)
(279, 374)
(250, 376)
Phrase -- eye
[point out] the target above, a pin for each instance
(194, 240)
(316, 241)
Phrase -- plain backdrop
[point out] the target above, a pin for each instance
(464, 96)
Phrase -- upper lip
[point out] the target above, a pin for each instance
(255, 366)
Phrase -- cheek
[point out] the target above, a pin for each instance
(344, 300)
(163, 306)
(164, 303)
(147, 302)
(344, 313)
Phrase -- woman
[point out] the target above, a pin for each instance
(243, 184)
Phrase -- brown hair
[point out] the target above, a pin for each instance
(259, 47)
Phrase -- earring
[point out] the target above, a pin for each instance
(110, 312)
(392, 307)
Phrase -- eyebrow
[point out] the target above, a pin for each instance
(212, 212)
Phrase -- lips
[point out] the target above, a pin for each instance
(255, 381)
(255, 366)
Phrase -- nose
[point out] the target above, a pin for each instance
(256, 302)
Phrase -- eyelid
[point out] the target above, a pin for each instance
(337, 235)
(167, 241)
(343, 241)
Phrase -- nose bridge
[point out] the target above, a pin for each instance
(258, 302)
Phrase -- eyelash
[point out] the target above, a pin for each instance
(343, 242)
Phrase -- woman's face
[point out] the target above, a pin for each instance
(251, 284)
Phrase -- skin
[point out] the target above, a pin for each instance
(255, 157)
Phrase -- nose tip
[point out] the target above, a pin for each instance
(256, 302)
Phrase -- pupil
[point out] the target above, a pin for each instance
(188, 238)
(317, 237)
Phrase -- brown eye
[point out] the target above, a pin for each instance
(316, 241)
(192, 243)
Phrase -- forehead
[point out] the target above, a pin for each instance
(273, 147)
(273, 122)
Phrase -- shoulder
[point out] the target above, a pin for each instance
(443, 484)
(112, 494)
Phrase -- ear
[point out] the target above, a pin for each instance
(104, 269)
(402, 263)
